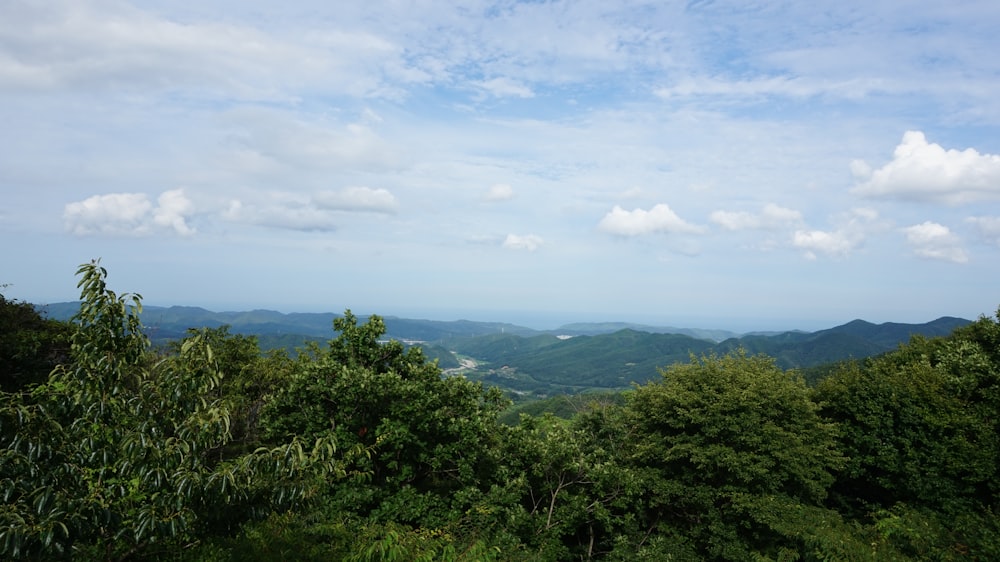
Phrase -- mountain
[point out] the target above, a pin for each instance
(856, 339)
(546, 364)
(569, 359)
(891, 334)
(597, 328)
(172, 322)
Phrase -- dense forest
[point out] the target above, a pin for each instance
(209, 449)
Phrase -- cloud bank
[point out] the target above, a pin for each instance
(923, 171)
(129, 214)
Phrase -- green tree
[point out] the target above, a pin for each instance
(30, 345)
(921, 429)
(113, 456)
(735, 461)
(249, 378)
(434, 438)
(568, 497)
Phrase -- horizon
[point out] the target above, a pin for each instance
(553, 322)
(781, 165)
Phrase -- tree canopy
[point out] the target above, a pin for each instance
(363, 449)
(117, 453)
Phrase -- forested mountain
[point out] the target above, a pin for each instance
(545, 364)
(569, 359)
(208, 450)
(598, 328)
(550, 364)
(174, 321)
(855, 340)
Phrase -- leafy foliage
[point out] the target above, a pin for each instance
(921, 427)
(724, 444)
(565, 406)
(30, 345)
(116, 454)
(572, 495)
(363, 449)
(433, 437)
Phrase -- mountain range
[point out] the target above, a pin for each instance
(571, 358)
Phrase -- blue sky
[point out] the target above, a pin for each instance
(740, 165)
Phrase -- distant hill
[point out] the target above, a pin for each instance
(606, 360)
(172, 322)
(628, 356)
(856, 339)
(597, 328)
(569, 359)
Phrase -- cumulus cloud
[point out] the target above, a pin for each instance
(357, 199)
(172, 210)
(935, 241)
(835, 243)
(922, 171)
(500, 192)
(113, 213)
(770, 217)
(988, 228)
(529, 242)
(129, 214)
(661, 218)
(860, 170)
(850, 233)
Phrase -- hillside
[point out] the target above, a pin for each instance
(545, 364)
(597, 328)
(172, 322)
(572, 358)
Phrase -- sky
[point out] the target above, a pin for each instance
(738, 165)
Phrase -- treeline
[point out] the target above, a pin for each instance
(361, 450)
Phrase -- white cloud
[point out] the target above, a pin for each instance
(112, 46)
(860, 170)
(505, 88)
(850, 233)
(935, 241)
(113, 213)
(771, 217)
(357, 199)
(317, 212)
(172, 210)
(988, 228)
(923, 171)
(299, 144)
(129, 214)
(500, 192)
(529, 242)
(836, 243)
(661, 218)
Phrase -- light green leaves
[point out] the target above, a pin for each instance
(121, 449)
